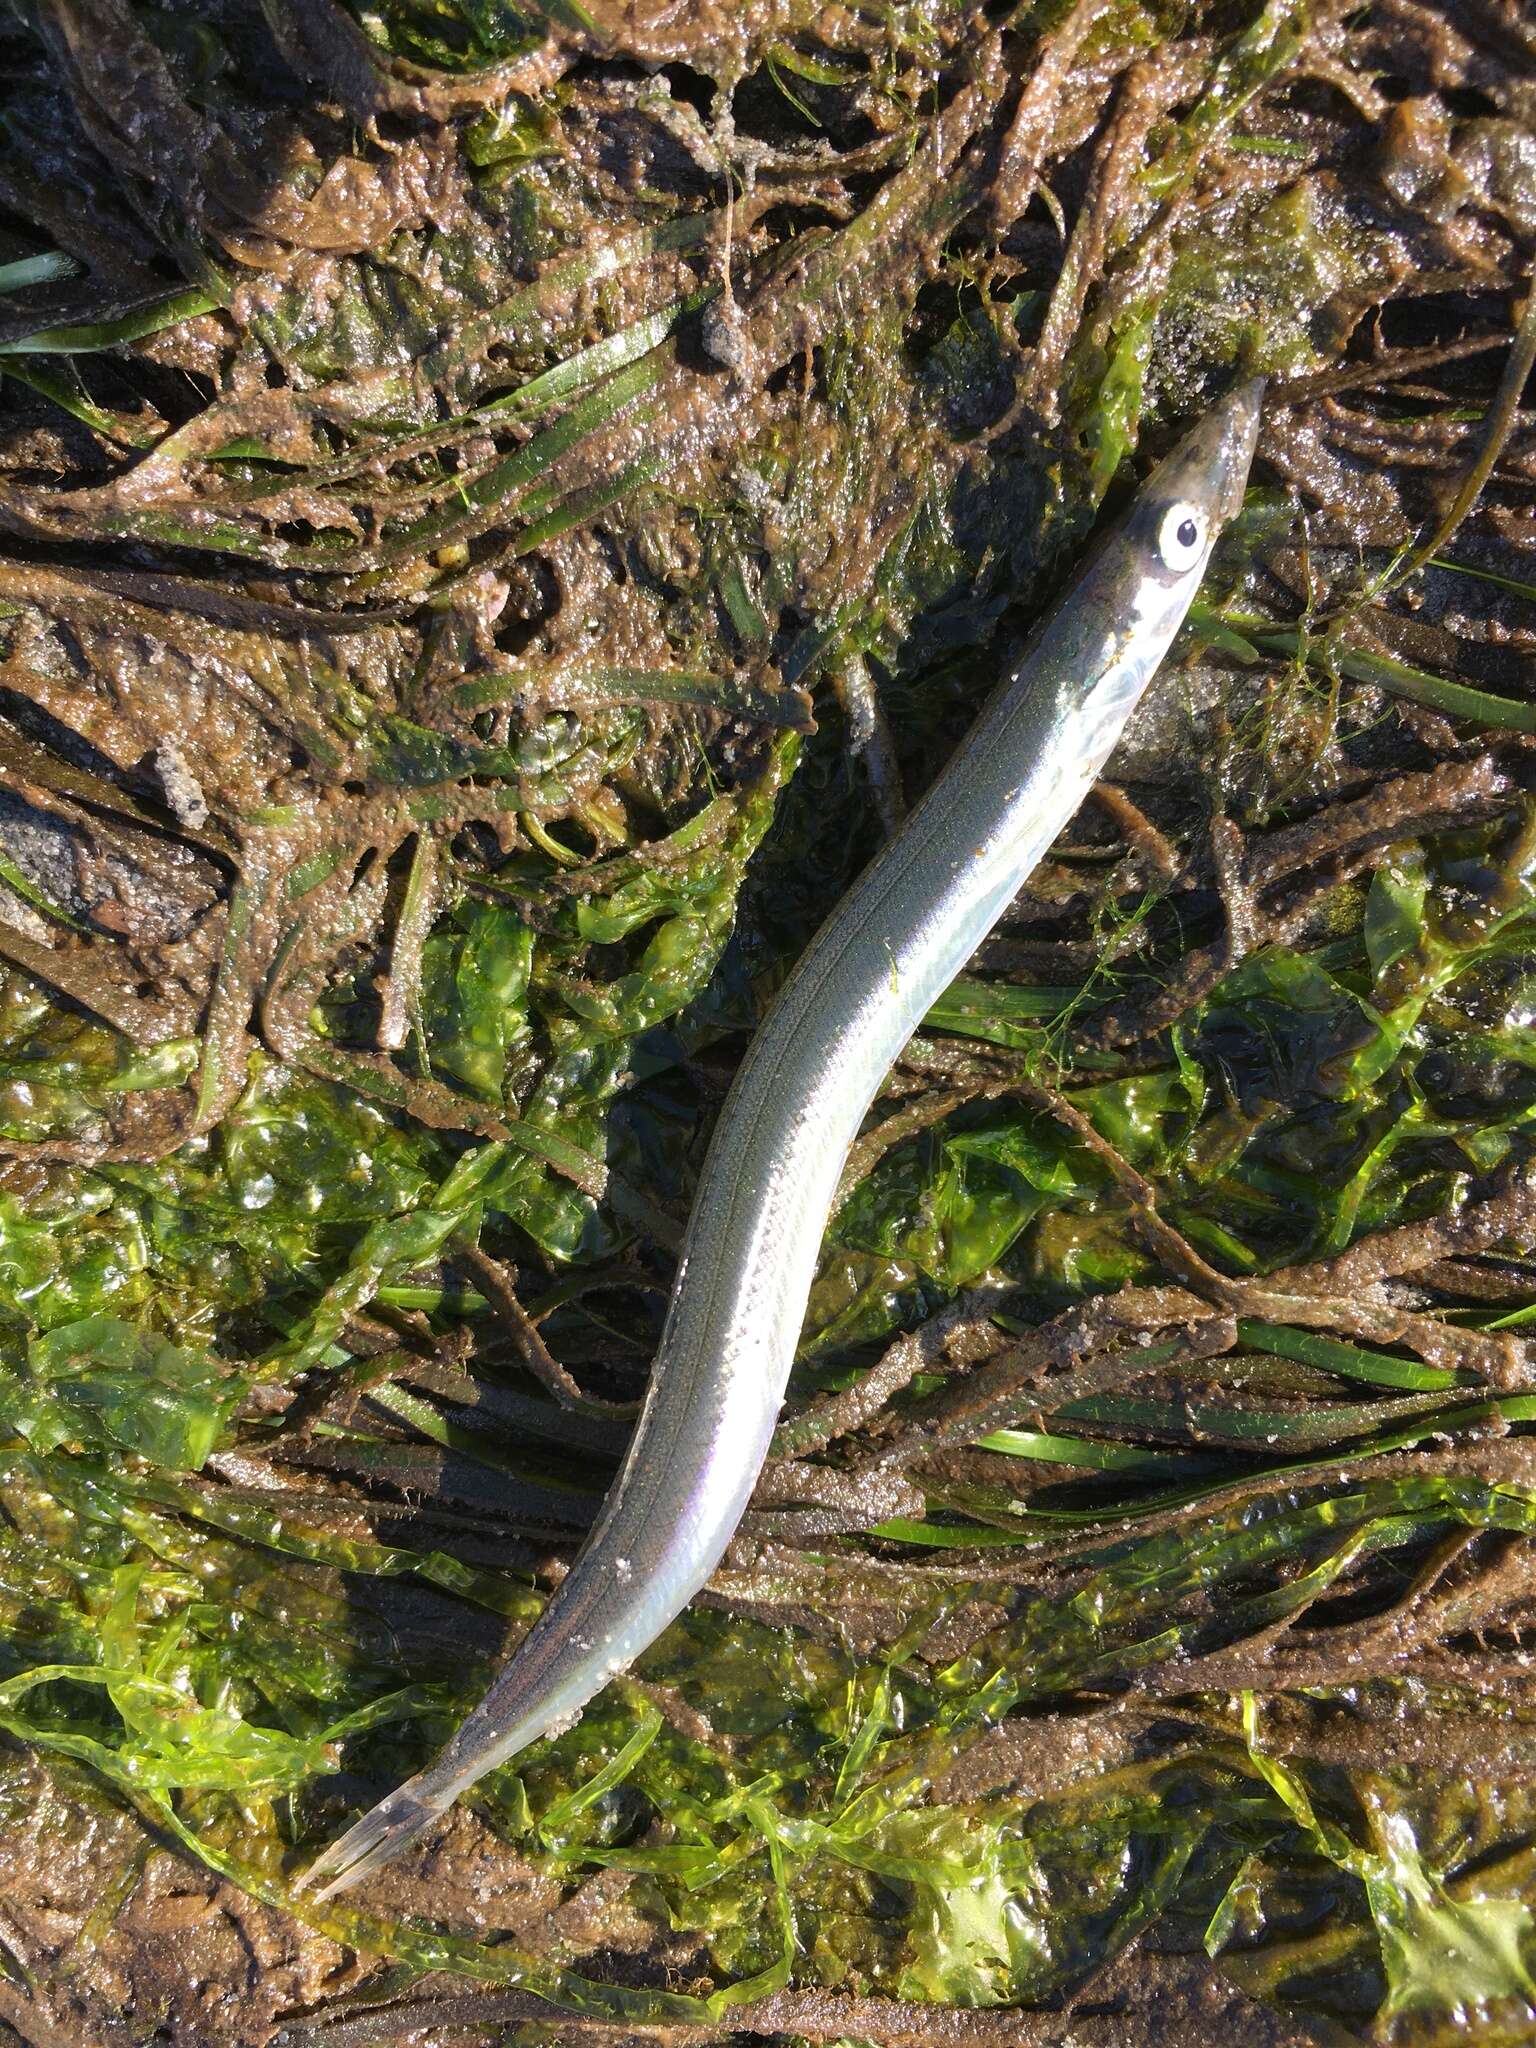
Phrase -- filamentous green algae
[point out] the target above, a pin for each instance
(499, 510)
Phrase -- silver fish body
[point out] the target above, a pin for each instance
(888, 951)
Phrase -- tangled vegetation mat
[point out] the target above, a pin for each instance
(499, 508)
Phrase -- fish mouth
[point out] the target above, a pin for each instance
(1210, 465)
(1239, 414)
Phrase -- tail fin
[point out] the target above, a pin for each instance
(376, 1839)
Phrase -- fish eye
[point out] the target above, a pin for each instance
(1181, 537)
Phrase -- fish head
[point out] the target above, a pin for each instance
(1195, 490)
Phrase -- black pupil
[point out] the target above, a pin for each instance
(1188, 533)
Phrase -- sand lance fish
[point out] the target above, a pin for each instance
(887, 952)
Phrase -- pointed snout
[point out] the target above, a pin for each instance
(1210, 465)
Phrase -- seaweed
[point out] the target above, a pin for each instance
(502, 509)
